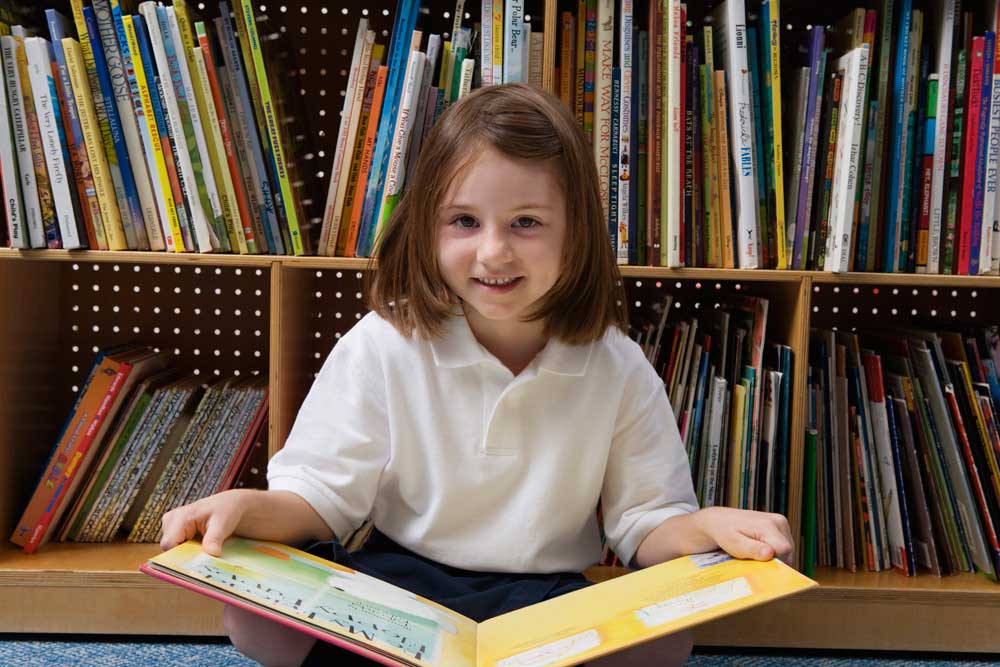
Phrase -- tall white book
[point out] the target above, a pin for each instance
(486, 43)
(625, 161)
(605, 58)
(46, 101)
(673, 133)
(513, 40)
(731, 49)
(854, 64)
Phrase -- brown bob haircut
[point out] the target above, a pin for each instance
(521, 121)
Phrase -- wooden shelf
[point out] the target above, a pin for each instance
(363, 264)
(96, 589)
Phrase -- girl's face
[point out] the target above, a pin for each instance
(500, 233)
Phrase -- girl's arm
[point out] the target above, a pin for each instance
(741, 533)
(278, 516)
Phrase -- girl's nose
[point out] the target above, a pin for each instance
(495, 247)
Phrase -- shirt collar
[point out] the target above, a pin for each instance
(458, 348)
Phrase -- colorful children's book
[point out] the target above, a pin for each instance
(394, 627)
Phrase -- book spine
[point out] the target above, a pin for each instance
(897, 170)
(243, 213)
(513, 42)
(13, 206)
(49, 126)
(775, 138)
(913, 83)
(615, 143)
(346, 138)
(90, 127)
(672, 206)
(121, 118)
(367, 151)
(208, 192)
(486, 38)
(50, 223)
(927, 174)
(970, 151)
(272, 121)
(741, 133)
(161, 130)
(398, 153)
(984, 100)
(604, 64)
(949, 19)
(115, 147)
(122, 216)
(814, 97)
(243, 118)
(725, 245)
(49, 485)
(625, 161)
(90, 208)
(172, 238)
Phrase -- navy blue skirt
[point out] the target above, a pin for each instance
(476, 595)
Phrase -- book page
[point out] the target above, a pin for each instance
(331, 597)
(631, 609)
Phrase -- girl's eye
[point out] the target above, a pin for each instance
(465, 222)
(525, 223)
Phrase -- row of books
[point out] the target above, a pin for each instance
(145, 129)
(902, 459)
(883, 160)
(730, 390)
(141, 439)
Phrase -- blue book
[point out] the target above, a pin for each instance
(121, 167)
(153, 82)
(399, 51)
(759, 153)
(897, 466)
(233, 59)
(976, 236)
(898, 168)
(908, 263)
(814, 97)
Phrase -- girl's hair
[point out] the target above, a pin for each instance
(523, 122)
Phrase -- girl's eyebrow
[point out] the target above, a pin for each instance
(519, 207)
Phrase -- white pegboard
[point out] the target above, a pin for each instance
(215, 320)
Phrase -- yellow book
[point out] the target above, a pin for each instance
(498, 41)
(774, 27)
(263, 100)
(737, 436)
(217, 152)
(175, 241)
(95, 148)
(396, 627)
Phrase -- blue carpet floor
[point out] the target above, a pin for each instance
(33, 651)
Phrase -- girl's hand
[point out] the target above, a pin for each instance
(215, 517)
(748, 534)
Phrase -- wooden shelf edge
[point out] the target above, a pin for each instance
(363, 264)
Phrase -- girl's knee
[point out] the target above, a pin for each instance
(267, 642)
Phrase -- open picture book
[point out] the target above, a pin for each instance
(394, 627)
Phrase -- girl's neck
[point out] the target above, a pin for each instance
(514, 343)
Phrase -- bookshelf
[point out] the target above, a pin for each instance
(282, 315)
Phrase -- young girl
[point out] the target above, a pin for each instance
(490, 400)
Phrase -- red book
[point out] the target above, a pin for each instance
(969, 163)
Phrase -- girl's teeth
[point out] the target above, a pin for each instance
(505, 281)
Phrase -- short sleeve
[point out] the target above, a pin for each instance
(648, 479)
(339, 445)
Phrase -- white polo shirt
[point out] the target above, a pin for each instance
(458, 460)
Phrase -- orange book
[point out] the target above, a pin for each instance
(351, 242)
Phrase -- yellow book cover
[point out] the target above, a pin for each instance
(175, 241)
(395, 627)
(737, 432)
(774, 28)
(110, 215)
